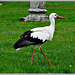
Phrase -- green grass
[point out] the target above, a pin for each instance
(60, 51)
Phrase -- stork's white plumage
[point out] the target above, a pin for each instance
(38, 36)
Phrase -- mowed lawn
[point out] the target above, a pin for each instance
(60, 51)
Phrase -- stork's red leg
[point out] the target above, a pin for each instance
(33, 55)
(45, 56)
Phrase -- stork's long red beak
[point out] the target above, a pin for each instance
(61, 17)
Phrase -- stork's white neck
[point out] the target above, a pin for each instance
(51, 28)
(52, 20)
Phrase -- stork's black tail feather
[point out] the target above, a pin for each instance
(22, 42)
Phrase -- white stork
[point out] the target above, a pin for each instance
(38, 36)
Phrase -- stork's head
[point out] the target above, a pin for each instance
(54, 15)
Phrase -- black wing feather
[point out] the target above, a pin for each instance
(27, 33)
(26, 40)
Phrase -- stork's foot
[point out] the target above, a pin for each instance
(51, 65)
(31, 64)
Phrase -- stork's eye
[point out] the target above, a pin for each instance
(55, 14)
